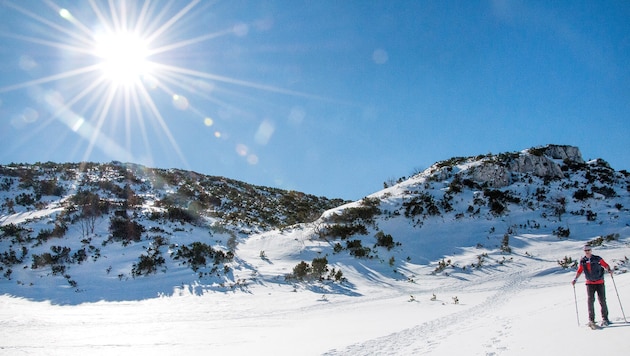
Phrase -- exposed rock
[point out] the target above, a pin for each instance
(540, 162)
(493, 174)
(564, 152)
(540, 166)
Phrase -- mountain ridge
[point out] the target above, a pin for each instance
(124, 231)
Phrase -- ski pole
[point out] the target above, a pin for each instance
(619, 299)
(577, 315)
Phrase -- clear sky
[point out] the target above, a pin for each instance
(330, 98)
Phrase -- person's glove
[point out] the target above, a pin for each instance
(573, 281)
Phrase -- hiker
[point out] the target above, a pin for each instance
(593, 267)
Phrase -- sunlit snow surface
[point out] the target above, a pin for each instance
(522, 307)
(517, 303)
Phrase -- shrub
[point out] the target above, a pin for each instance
(345, 231)
(319, 266)
(316, 270)
(562, 232)
(79, 256)
(58, 256)
(442, 265)
(148, 264)
(606, 191)
(11, 230)
(601, 239)
(125, 229)
(364, 213)
(582, 194)
(49, 187)
(10, 258)
(182, 215)
(301, 270)
(25, 199)
(197, 254)
(568, 262)
(497, 200)
(505, 244)
(420, 204)
(384, 240)
(357, 249)
(496, 207)
(537, 151)
(58, 231)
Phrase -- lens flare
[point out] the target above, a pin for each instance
(119, 64)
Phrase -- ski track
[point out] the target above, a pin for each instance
(423, 338)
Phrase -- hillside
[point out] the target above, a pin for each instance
(94, 230)
(73, 233)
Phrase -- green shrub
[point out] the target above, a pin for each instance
(345, 231)
(562, 232)
(319, 266)
(601, 239)
(11, 230)
(124, 229)
(505, 244)
(356, 248)
(58, 256)
(301, 270)
(147, 264)
(421, 204)
(582, 194)
(182, 215)
(198, 253)
(568, 262)
(360, 213)
(384, 240)
(316, 270)
(606, 191)
(50, 187)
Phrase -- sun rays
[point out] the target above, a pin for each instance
(114, 68)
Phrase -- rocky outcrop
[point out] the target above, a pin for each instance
(492, 174)
(540, 166)
(563, 152)
(540, 162)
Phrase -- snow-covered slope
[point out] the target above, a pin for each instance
(499, 234)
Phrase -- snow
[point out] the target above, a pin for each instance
(523, 307)
(509, 303)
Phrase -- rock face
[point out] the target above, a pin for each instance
(492, 174)
(570, 153)
(540, 166)
(540, 162)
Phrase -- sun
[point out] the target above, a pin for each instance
(123, 57)
(110, 67)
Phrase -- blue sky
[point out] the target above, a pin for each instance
(330, 98)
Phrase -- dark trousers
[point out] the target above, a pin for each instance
(591, 289)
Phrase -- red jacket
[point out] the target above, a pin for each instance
(593, 269)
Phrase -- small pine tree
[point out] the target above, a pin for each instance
(301, 270)
(319, 266)
(505, 244)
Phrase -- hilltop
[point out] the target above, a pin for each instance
(87, 232)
